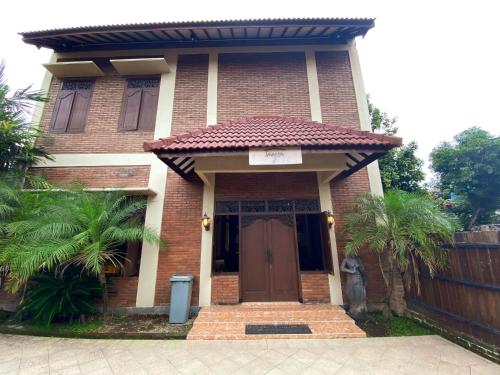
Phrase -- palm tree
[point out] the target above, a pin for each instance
(402, 228)
(75, 228)
(17, 136)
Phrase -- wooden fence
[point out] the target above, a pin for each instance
(465, 296)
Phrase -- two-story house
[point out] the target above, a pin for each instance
(250, 139)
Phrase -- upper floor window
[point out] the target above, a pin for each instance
(139, 104)
(71, 108)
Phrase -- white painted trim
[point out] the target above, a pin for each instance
(45, 87)
(325, 199)
(203, 50)
(97, 160)
(312, 81)
(146, 287)
(213, 67)
(205, 297)
(364, 116)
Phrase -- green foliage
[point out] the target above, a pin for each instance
(54, 230)
(4, 315)
(380, 121)
(405, 226)
(399, 168)
(402, 169)
(376, 325)
(59, 296)
(469, 167)
(17, 137)
(400, 326)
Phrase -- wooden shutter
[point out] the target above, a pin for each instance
(79, 111)
(62, 111)
(70, 110)
(131, 108)
(148, 108)
(326, 243)
(133, 256)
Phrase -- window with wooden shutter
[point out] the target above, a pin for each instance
(71, 108)
(140, 102)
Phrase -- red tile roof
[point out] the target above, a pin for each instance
(271, 131)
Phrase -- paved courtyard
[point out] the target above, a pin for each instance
(405, 355)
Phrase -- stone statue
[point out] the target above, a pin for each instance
(355, 288)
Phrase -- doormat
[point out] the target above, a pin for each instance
(277, 329)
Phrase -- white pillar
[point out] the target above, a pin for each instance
(206, 242)
(158, 182)
(205, 297)
(325, 199)
(364, 116)
(313, 85)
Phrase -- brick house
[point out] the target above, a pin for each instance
(262, 126)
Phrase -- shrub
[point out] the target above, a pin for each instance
(62, 297)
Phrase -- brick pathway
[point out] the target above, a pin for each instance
(228, 322)
(429, 355)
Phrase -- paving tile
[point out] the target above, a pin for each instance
(94, 365)
(10, 365)
(72, 370)
(427, 355)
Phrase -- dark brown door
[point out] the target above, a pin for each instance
(268, 259)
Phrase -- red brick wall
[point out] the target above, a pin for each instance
(181, 225)
(191, 86)
(225, 289)
(123, 291)
(344, 192)
(98, 177)
(315, 287)
(262, 84)
(336, 89)
(265, 185)
(101, 132)
(339, 107)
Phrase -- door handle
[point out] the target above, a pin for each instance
(269, 256)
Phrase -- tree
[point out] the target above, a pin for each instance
(402, 169)
(399, 168)
(468, 170)
(380, 121)
(18, 148)
(74, 228)
(402, 228)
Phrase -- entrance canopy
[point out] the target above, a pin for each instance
(271, 144)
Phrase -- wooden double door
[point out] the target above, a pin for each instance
(269, 270)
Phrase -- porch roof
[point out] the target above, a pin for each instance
(201, 33)
(241, 135)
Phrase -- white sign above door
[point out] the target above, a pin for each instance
(275, 156)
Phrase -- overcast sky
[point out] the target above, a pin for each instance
(435, 65)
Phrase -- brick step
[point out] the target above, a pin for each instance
(274, 317)
(324, 326)
(216, 331)
(270, 337)
(228, 322)
(272, 307)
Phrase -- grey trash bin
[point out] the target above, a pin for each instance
(180, 298)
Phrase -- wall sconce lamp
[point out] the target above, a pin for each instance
(330, 219)
(205, 221)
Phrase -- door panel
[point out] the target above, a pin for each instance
(254, 269)
(268, 259)
(283, 265)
